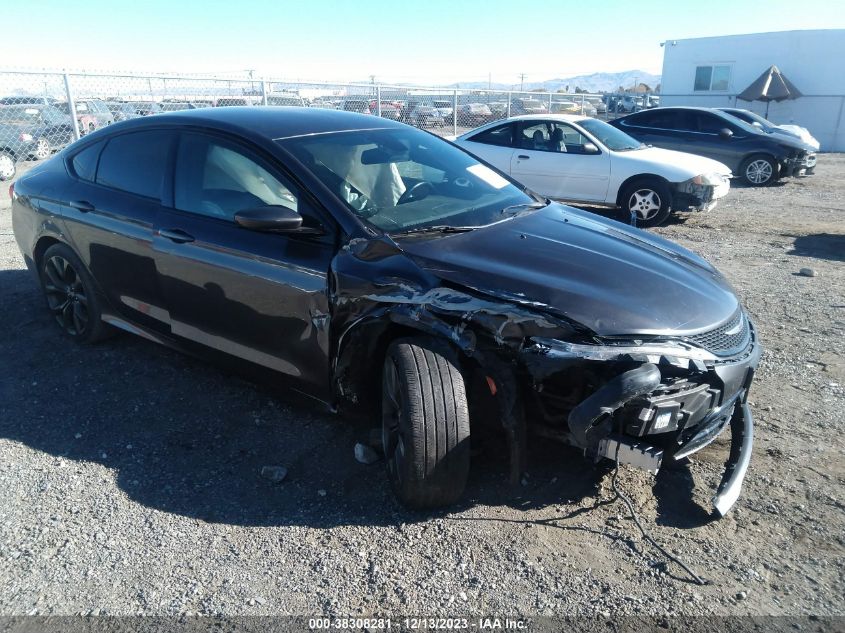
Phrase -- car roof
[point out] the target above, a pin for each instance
(266, 122)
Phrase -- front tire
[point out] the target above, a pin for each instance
(759, 170)
(425, 423)
(71, 295)
(649, 200)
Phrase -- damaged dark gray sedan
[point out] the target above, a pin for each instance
(380, 268)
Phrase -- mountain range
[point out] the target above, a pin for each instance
(596, 82)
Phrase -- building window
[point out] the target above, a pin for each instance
(712, 78)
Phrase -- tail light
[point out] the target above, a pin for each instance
(12, 191)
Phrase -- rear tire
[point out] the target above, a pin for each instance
(649, 199)
(759, 170)
(425, 423)
(72, 295)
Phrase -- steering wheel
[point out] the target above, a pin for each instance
(417, 192)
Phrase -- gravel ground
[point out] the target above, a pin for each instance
(131, 475)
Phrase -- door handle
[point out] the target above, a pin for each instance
(523, 157)
(176, 235)
(82, 205)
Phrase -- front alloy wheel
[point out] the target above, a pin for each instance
(425, 423)
(759, 171)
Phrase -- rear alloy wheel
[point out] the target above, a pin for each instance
(759, 171)
(648, 202)
(7, 166)
(42, 149)
(71, 295)
(425, 423)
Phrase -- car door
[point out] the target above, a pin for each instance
(493, 145)
(112, 204)
(552, 159)
(258, 296)
(664, 127)
(708, 141)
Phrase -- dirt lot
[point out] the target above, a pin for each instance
(130, 475)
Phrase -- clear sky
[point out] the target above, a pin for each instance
(425, 41)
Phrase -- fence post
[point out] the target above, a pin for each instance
(71, 105)
(550, 103)
(378, 100)
(510, 97)
(455, 113)
(264, 92)
(582, 105)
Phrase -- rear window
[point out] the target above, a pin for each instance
(84, 163)
(135, 163)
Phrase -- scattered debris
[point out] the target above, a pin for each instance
(274, 473)
(807, 272)
(365, 454)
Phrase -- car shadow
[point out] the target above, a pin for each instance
(820, 246)
(185, 437)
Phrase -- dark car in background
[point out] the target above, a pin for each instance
(30, 131)
(790, 131)
(378, 267)
(91, 114)
(756, 157)
(25, 100)
(292, 100)
(122, 111)
(146, 108)
(177, 106)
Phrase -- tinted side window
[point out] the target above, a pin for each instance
(710, 123)
(641, 119)
(218, 179)
(84, 163)
(135, 162)
(500, 135)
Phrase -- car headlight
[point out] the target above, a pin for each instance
(26, 138)
(712, 179)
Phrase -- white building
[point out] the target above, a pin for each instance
(711, 71)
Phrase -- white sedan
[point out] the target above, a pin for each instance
(584, 160)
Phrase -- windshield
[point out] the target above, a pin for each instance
(405, 179)
(611, 137)
(749, 117)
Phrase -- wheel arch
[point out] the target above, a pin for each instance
(361, 349)
(637, 177)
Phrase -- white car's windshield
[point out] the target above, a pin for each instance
(611, 137)
(402, 179)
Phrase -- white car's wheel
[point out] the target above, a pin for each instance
(7, 166)
(647, 201)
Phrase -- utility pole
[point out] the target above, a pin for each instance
(522, 77)
(251, 85)
(372, 79)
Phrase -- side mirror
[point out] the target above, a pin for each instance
(725, 133)
(269, 218)
(757, 124)
(590, 148)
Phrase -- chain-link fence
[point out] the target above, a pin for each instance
(41, 112)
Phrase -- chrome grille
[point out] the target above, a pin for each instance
(729, 338)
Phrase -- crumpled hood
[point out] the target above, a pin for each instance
(695, 165)
(611, 278)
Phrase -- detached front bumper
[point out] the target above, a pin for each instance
(669, 401)
(802, 165)
(699, 197)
